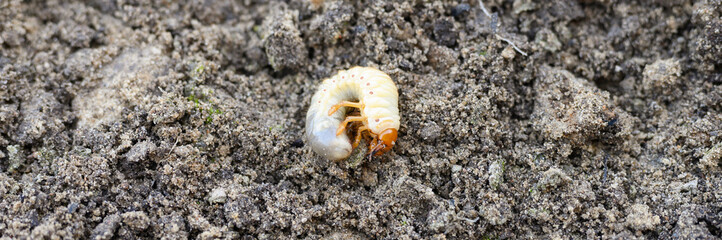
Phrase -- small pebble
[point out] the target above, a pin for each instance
(72, 207)
(508, 53)
(689, 186)
(218, 195)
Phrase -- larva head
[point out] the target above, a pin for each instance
(384, 141)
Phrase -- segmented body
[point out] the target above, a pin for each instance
(372, 88)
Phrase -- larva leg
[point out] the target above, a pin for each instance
(358, 135)
(375, 147)
(342, 127)
(335, 108)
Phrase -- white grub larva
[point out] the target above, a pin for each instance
(368, 89)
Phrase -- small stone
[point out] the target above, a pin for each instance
(547, 40)
(141, 151)
(218, 195)
(16, 158)
(553, 178)
(508, 53)
(455, 168)
(690, 186)
(72, 207)
(520, 6)
(496, 173)
(665, 161)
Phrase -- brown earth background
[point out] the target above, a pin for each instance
(124, 119)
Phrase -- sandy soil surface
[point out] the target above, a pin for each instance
(124, 119)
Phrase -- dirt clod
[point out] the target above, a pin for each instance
(106, 229)
(136, 220)
(639, 217)
(284, 47)
(662, 76)
(444, 32)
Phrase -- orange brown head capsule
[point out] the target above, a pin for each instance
(384, 141)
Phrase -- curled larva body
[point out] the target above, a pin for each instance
(377, 98)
